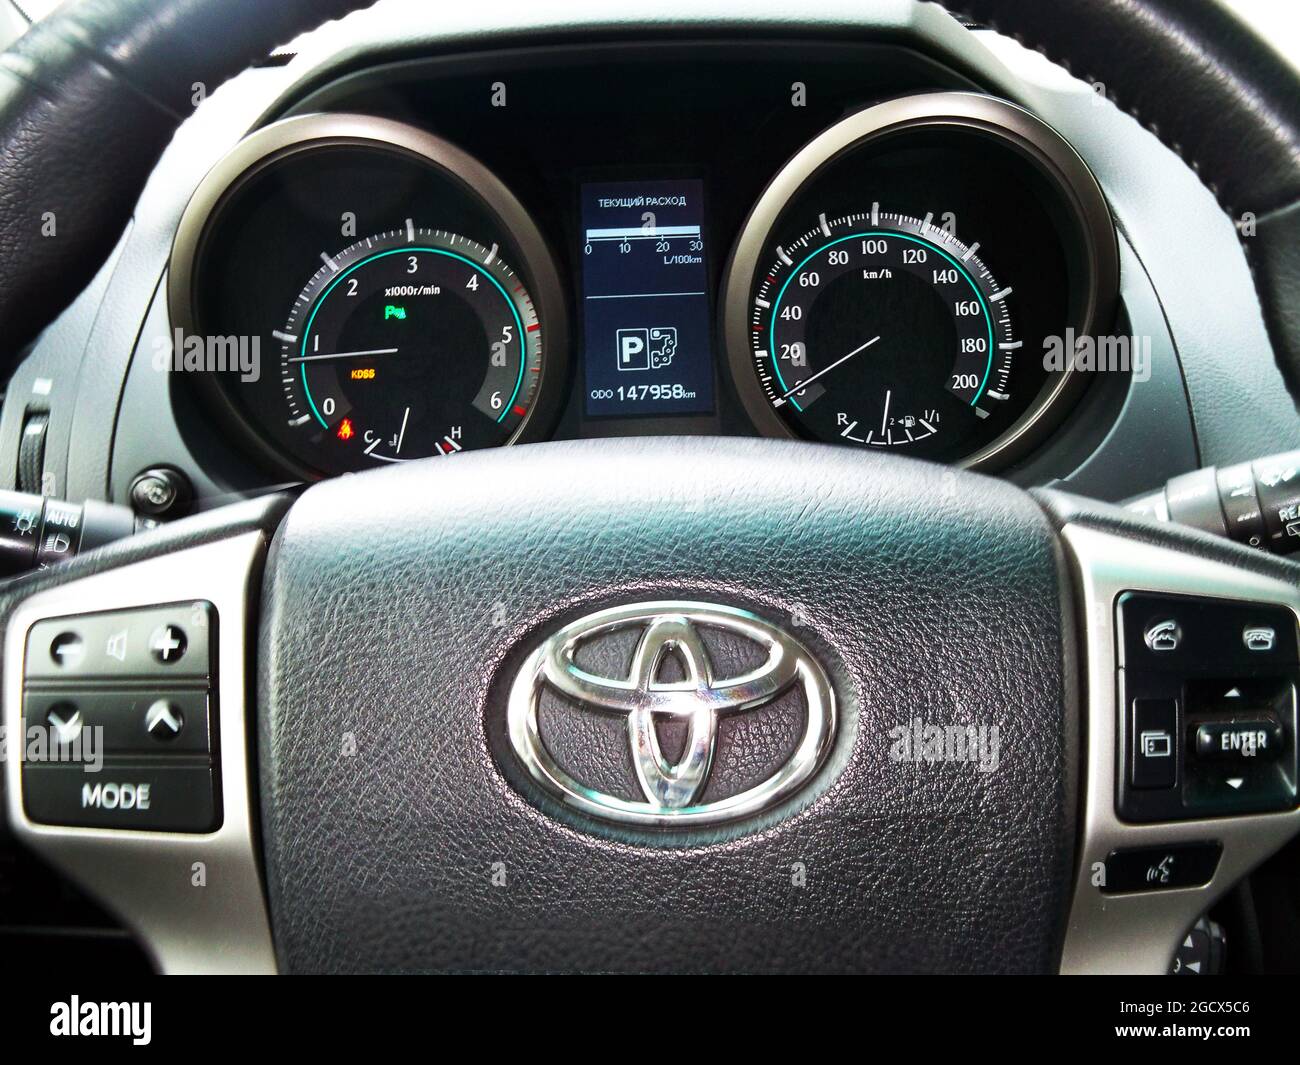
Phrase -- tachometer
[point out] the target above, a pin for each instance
(410, 343)
(439, 332)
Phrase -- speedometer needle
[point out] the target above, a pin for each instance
(344, 355)
(780, 400)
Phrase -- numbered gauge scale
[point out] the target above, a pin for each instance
(898, 283)
(417, 341)
(409, 343)
(882, 330)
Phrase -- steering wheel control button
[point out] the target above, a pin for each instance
(142, 643)
(1211, 689)
(64, 722)
(127, 722)
(150, 797)
(1259, 638)
(125, 696)
(1241, 736)
(167, 644)
(1162, 636)
(1179, 865)
(67, 650)
(164, 720)
(1203, 636)
(1251, 741)
(1155, 743)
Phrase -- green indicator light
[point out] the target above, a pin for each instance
(393, 312)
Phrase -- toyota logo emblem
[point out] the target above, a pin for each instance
(672, 791)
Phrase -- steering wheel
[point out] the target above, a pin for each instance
(380, 644)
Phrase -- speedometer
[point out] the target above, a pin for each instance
(882, 330)
(910, 279)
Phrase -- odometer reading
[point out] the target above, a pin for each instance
(882, 330)
(411, 343)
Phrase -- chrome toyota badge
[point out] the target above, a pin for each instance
(694, 672)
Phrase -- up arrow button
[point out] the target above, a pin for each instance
(163, 721)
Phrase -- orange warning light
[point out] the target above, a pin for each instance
(345, 430)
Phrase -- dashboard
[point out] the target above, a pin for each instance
(616, 247)
(888, 243)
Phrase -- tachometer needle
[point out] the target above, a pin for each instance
(402, 435)
(804, 384)
(344, 355)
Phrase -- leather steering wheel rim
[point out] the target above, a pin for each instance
(110, 80)
(89, 98)
(1224, 101)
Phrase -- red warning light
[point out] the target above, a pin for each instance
(345, 430)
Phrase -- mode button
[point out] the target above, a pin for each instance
(148, 798)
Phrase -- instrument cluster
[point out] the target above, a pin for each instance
(897, 282)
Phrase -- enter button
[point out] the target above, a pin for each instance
(1252, 740)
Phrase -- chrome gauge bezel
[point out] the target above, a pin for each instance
(289, 137)
(1093, 306)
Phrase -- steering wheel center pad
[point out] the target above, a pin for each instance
(396, 606)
